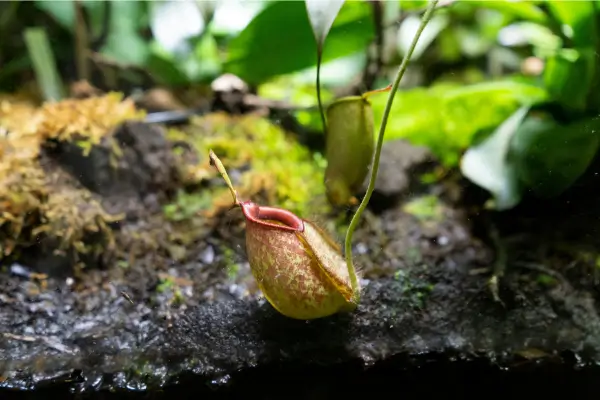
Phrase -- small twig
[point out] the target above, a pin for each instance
(374, 66)
(541, 268)
(98, 42)
(321, 109)
(127, 297)
(51, 342)
(499, 264)
(81, 42)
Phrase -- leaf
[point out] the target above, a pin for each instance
(280, 40)
(124, 42)
(63, 12)
(568, 76)
(578, 19)
(44, 64)
(521, 9)
(487, 164)
(446, 117)
(550, 157)
(409, 28)
(173, 22)
(321, 14)
(529, 33)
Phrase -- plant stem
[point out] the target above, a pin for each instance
(214, 161)
(377, 155)
(321, 111)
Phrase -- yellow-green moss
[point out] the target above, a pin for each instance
(43, 202)
(281, 173)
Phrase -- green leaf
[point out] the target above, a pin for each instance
(568, 76)
(550, 157)
(173, 23)
(280, 40)
(164, 67)
(124, 42)
(488, 166)
(409, 27)
(44, 64)
(578, 20)
(321, 14)
(63, 12)
(525, 10)
(446, 117)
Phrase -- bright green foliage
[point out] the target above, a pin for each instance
(447, 117)
(280, 40)
(570, 72)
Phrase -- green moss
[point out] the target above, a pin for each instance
(425, 208)
(187, 205)
(284, 173)
(230, 264)
(414, 290)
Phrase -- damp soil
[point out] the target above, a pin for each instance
(161, 323)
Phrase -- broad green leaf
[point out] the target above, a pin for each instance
(526, 10)
(280, 40)
(63, 13)
(487, 164)
(568, 76)
(412, 5)
(446, 117)
(578, 20)
(124, 42)
(321, 14)
(165, 69)
(208, 58)
(409, 28)
(232, 16)
(469, 109)
(549, 157)
(174, 22)
(529, 33)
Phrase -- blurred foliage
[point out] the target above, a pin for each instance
(477, 65)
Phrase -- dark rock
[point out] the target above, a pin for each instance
(145, 168)
(236, 347)
(400, 167)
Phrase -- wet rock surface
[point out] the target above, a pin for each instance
(231, 347)
(153, 327)
(400, 169)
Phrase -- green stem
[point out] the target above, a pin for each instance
(375, 164)
(321, 111)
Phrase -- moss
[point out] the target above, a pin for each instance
(276, 169)
(415, 290)
(425, 208)
(187, 205)
(42, 202)
(230, 265)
